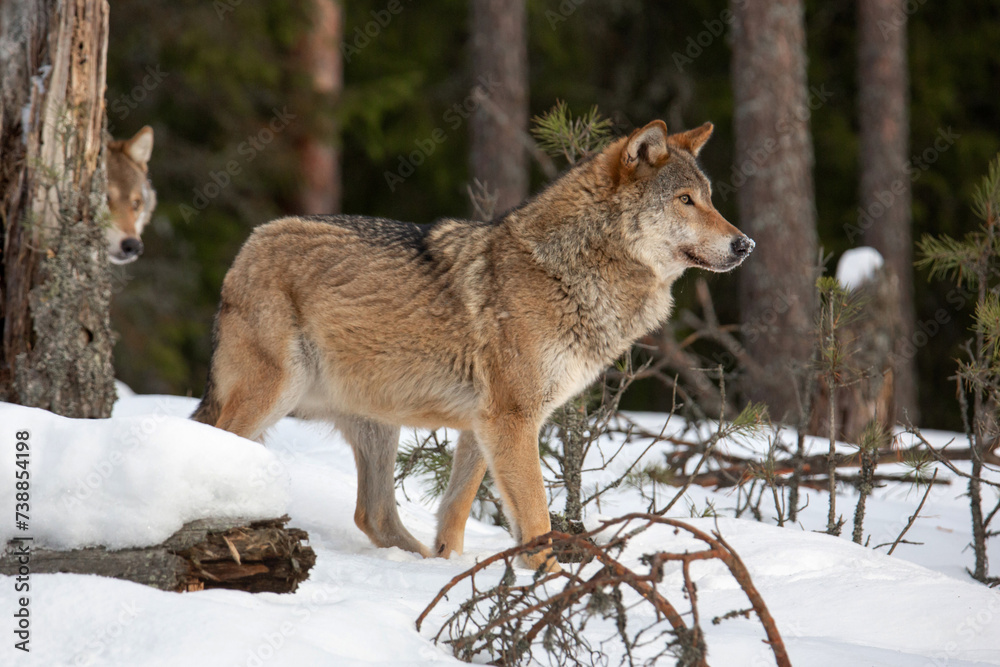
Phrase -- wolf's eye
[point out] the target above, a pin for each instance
(686, 199)
(136, 204)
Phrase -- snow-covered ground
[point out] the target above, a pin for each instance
(138, 476)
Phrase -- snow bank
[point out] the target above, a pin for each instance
(131, 481)
(836, 603)
(857, 266)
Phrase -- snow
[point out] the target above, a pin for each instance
(124, 391)
(133, 481)
(857, 266)
(835, 603)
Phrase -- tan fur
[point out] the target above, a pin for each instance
(482, 327)
(131, 197)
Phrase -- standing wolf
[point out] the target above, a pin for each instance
(375, 324)
(131, 197)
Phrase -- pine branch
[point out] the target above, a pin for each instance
(558, 133)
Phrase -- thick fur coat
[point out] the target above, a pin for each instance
(375, 324)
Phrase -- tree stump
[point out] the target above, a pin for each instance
(257, 557)
(871, 341)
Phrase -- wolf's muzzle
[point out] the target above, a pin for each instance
(741, 246)
(131, 247)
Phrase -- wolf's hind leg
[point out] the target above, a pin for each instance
(250, 407)
(374, 446)
(256, 378)
(467, 472)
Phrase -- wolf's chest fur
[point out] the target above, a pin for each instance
(565, 322)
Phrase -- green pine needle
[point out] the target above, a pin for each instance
(751, 418)
(987, 323)
(950, 258)
(558, 133)
(986, 198)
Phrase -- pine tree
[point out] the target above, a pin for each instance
(973, 263)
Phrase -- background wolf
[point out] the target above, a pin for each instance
(483, 327)
(131, 197)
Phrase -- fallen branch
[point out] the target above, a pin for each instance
(505, 620)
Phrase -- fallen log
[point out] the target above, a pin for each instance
(256, 556)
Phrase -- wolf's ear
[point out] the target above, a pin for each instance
(646, 150)
(692, 140)
(140, 147)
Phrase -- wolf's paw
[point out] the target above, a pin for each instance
(445, 548)
(449, 542)
(543, 560)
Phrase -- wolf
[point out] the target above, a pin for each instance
(483, 327)
(131, 197)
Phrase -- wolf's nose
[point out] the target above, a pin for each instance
(131, 247)
(741, 246)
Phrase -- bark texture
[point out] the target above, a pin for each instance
(258, 557)
(319, 158)
(773, 177)
(55, 287)
(500, 123)
(885, 198)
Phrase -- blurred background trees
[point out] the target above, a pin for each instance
(251, 122)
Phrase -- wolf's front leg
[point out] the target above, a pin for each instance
(467, 472)
(511, 442)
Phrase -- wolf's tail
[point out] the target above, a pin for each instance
(209, 408)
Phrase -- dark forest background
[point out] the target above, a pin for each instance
(210, 78)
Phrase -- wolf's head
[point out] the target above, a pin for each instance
(131, 197)
(668, 201)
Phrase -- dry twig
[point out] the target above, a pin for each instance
(507, 620)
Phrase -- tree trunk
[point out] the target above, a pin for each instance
(773, 177)
(319, 158)
(885, 199)
(55, 285)
(500, 123)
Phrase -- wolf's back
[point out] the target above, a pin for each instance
(377, 231)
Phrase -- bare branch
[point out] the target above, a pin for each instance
(914, 516)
